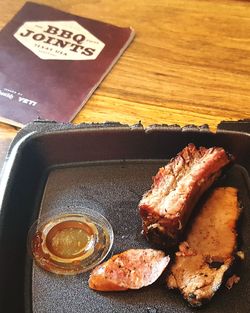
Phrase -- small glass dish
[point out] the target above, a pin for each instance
(70, 243)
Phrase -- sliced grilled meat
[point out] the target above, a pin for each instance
(167, 206)
(208, 251)
(132, 269)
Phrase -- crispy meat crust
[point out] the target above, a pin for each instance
(209, 249)
(167, 206)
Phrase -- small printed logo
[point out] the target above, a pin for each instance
(59, 40)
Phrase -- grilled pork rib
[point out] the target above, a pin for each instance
(167, 206)
(208, 251)
(131, 269)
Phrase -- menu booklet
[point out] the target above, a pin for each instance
(51, 62)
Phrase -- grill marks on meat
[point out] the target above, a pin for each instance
(131, 269)
(208, 251)
(167, 206)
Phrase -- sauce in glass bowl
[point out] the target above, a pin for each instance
(72, 243)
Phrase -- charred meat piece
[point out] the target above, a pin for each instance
(167, 206)
(209, 249)
(132, 269)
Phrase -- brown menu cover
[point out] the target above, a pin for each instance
(51, 62)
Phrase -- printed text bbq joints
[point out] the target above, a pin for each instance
(73, 45)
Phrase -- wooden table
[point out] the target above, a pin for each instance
(188, 64)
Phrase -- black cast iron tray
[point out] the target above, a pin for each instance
(107, 167)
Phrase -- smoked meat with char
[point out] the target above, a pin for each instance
(165, 209)
(209, 250)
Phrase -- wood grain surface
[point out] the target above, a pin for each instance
(188, 64)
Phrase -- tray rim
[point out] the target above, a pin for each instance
(44, 127)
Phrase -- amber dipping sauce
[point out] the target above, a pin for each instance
(70, 239)
(71, 243)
